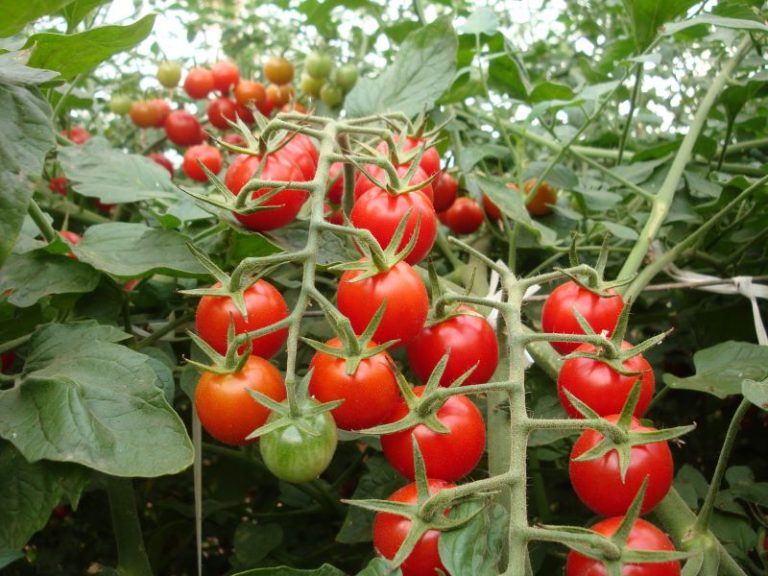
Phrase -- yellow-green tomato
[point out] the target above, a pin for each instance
(346, 77)
(294, 455)
(318, 65)
(311, 86)
(169, 74)
(331, 95)
(120, 104)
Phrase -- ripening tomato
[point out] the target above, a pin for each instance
(249, 92)
(600, 387)
(331, 95)
(183, 128)
(335, 183)
(226, 410)
(370, 393)
(295, 107)
(557, 314)
(264, 306)
(598, 482)
(199, 83)
(225, 75)
(287, 202)
(542, 202)
(447, 456)
(162, 161)
(146, 113)
(363, 184)
(58, 184)
(279, 94)
(77, 134)
(318, 64)
(235, 139)
(468, 339)
(278, 70)
(430, 159)
(464, 216)
(491, 210)
(72, 238)
(169, 74)
(221, 111)
(381, 213)
(445, 188)
(390, 530)
(163, 108)
(400, 287)
(208, 155)
(642, 536)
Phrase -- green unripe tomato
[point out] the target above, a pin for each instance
(311, 86)
(331, 95)
(318, 65)
(293, 455)
(169, 74)
(120, 104)
(346, 77)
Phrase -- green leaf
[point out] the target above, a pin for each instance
(482, 21)
(131, 250)
(646, 16)
(27, 136)
(28, 493)
(74, 54)
(324, 570)
(756, 392)
(97, 170)
(17, 14)
(377, 483)
(476, 547)
(77, 11)
(8, 557)
(254, 542)
(331, 248)
(472, 155)
(34, 275)
(507, 74)
(379, 567)
(423, 69)
(13, 70)
(85, 400)
(544, 91)
(722, 369)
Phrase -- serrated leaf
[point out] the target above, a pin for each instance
(92, 402)
(423, 69)
(476, 547)
(73, 54)
(132, 250)
(721, 369)
(27, 136)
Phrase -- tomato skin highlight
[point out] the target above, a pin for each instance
(643, 536)
(601, 388)
(598, 483)
(390, 530)
(403, 290)
(557, 314)
(265, 306)
(288, 202)
(469, 338)
(208, 155)
(370, 394)
(183, 128)
(226, 410)
(449, 456)
(295, 456)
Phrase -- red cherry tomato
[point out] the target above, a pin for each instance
(58, 184)
(199, 83)
(334, 215)
(264, 305)
(557, 314)
(299, 151)
(162, 161)
(445, 189)
(390, 530)
(601, 388)
(221, 110)
(542, 202)
(183, 128)
(381, 212)
(288, 202)
(491, 210)
(226, 410)
(335, 182)
(370, 393)
(248, 92)
(430, 159)
(146, 113)
(208, 155)
(225, 75)
(598, 482)
(245, 114)
(643, 536)
(77, 134)
(402, 289)
(235, 139)
(464, 216)
(448, 456)
(363, 184)
(72, 238)
(163, 109)
(468, 338)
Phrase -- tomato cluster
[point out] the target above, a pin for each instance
(321, 79)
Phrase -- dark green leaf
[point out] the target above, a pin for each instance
(74, 54)
(722, 369)
(17, 14)
(132, 250)
(34, 275)
(379, 567)
(88, 401)
(253, 542)
(423, 69)
(27, 136)
(646, 16)
(476, 547)
(8, 557)
(472, 155)
(546, 90)
(331, 250)
(691, 485)
(324, 570)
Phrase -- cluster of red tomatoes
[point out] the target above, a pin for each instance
(598, 482)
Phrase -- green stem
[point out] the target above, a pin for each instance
(724, 151)
(705, 514)
(38, 217)
(744, 146)
(165, 329)
(632, 105)
(662, 202)
(132, 559)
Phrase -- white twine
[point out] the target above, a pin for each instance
(494, 293)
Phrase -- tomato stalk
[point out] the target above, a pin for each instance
(131, 553)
